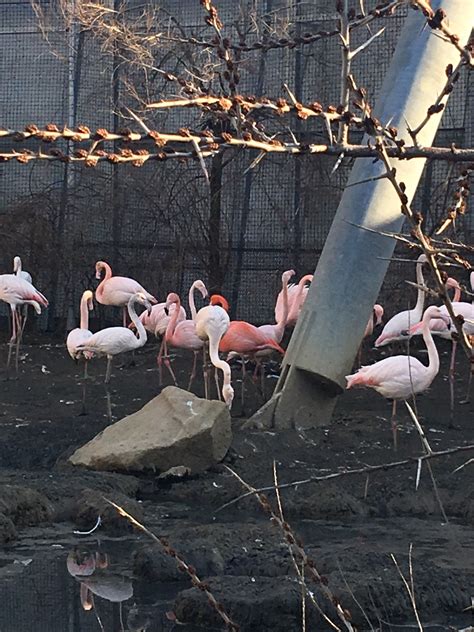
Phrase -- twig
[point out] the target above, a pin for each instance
(298, 551)
(410, 591)
(182, 566)
(351, 472)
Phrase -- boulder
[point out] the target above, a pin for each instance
(176, 428)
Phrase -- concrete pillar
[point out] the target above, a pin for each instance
(350, 273)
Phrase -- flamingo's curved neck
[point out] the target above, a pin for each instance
(214, 339)
(284, 316)
(17, 267)
(108, 273)
(136, 321)
(192, 304)
(173, 321)
(420, 299)
(433, 357)
(298, 301)
(457, 294)
(84, 324)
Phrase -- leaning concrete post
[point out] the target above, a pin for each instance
(350, 272)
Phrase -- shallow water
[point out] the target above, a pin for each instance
(86, 585)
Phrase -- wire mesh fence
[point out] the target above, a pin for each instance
(156, 223)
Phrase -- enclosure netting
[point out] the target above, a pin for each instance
(153, 223)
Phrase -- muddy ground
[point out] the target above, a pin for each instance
(349, 526)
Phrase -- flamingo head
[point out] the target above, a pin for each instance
(16, 264)
(141, 298)
(286, 276)
(88, 296)
(422, 259)
(217, 299)
(171, 299)
(228, 395)
(378, 314)
(199, 285)
(99, 266)
(435, 312)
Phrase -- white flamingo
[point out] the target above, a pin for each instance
(114, 340)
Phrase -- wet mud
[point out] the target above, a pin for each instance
(349, 526)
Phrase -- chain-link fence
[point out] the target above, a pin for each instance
(160, 223)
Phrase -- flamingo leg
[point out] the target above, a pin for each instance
(262, 380)
(205, 373)
(108, 372)
(20, 326)
(109, 403)
(452, 365)
(124, 316)
(193, 370)
(13, 337)
(359, 356)
(167, 362)
(84, 390)
(242, 392)
(394, 425)
(159, 361)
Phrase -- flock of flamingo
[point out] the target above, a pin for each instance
(210, 331)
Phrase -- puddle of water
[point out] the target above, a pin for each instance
(89, 586)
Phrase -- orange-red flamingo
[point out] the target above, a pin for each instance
(17, 291)
(212, 322)
(246, 340)
(117, 290)
(398, 377)
(183, 334)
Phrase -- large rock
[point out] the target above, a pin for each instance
(174, 429)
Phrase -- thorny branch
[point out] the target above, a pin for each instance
(366, 469)
(182, 566)
(298, 551)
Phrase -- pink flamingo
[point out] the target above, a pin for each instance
(156, 323)
(296, 297)
(212, 322)
(17, 291)
(117, 290)
(277, 331)
(374, 320)
(399, 377)
(80, 335)
(114, 340)
(18, 271)
(397, 327)
(246, 340)
(444, 328)
(183, 334)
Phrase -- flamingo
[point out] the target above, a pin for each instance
(277, 331)
(81, 334)
(246, 340)
(400, 376)
(117, 290)
(397, 327)
(296, 298)
(444, 328)
(17, 291)
(18, 271)
(183, 334)
(374, 320)
(212, 322)
(156, 323)
(114, 340)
